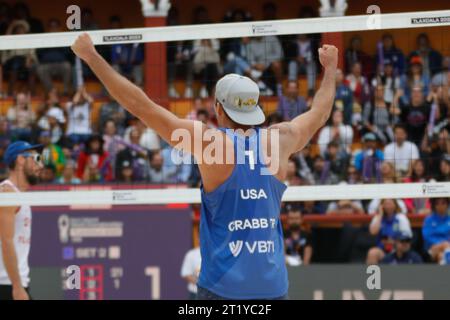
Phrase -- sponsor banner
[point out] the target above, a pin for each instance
(124, 253)
(357, 282)
(430, 20)
(124, 37)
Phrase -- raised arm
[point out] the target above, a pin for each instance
(130, 96)
(295, 134)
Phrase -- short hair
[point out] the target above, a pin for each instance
(400, 126)
(434, 200)
(203, 112)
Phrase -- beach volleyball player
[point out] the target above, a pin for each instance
(241, 236)
(25, 165)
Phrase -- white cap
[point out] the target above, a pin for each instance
(239, 97)
(56, 113)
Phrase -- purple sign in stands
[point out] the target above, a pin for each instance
(123, 252)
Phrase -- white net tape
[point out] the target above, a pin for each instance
(185, 195)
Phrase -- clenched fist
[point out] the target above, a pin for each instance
(83, 47)
(328, 56)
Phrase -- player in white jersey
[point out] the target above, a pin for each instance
(24, 162)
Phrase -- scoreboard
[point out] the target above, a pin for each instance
(119, 252)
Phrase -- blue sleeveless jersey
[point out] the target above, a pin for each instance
(241, 236)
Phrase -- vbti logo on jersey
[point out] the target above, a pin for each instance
(252, 247)
(236, 247)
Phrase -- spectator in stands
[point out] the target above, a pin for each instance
(68, 174)
(432, 59)
(312, 207)
(19, 63)
(291, 104)
(297, 239)
(113, 143)
(434, 149)
(22, 12)
(377, 117)
(233, 50)
(21, 117)
(157, 172)
(48, 174)
(292, 173)
(390, 81)
(344, 98)
(368, 160)
(436, 229)
(179, 58)
(177, 165)
(206, 58)
(53, 118)
(444, 169)
(303, 60)
(55, 62)
(418, 174)
(149, 140)
(353, 176)
(402, 152)
(336, 131)
(359, 86)
(52, 153)
(354, 54)
(94, 164)
(206, 63)
(345, 207)
(306, 162)
(442, 76)
(125, 172)
(416, 115)
(112, 110)
(198, 105)
(265, 55)
(190, 270)
(338, 160)
(273, 118)
(56, 120)
(402, 252)
(5, 17)
(79, 116)
(322, 173)
(388, 51)
(134, 154)
(384, 225)
(203, 116)
(387, 172)
(413, 79)
(128, 60)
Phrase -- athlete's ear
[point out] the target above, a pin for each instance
(217, 108)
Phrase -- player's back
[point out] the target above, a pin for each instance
(240, 230)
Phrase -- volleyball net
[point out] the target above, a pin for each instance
(389, 78)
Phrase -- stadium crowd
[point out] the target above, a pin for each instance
(390, 122)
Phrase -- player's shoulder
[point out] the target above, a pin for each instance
(6, 187)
